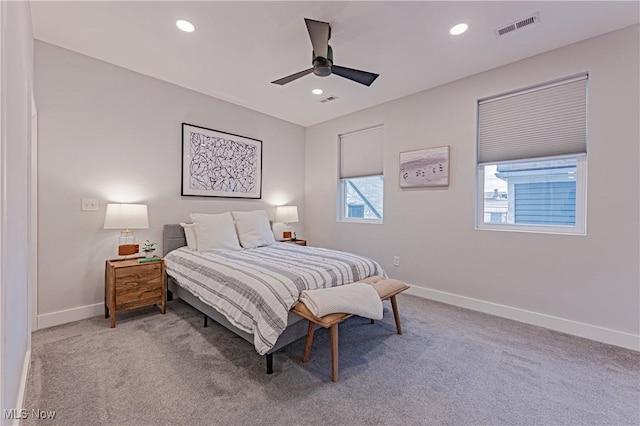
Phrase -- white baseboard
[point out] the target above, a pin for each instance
(23, 385)
(593, 332)
(70, 315)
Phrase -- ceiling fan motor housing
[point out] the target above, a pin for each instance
(322, 66)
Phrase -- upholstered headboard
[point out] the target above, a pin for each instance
(172, 238)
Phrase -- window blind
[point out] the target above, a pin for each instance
(543, 121)
(361, 153)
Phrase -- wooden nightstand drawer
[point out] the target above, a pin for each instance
(138, 275)
(134, 294)
(130, 284)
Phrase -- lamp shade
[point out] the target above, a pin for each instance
(126, 216)
(286, 214)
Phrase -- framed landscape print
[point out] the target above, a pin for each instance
(424, 167)
(219, 164)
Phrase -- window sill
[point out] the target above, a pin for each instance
(365, 221)
(559, 230)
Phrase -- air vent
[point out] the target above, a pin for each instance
(328, 99)
(529, 20)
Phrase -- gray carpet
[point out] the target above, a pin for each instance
(451, 367)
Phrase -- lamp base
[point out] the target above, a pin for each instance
(128, 249)
(127, 237)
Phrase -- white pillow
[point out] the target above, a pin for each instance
(215, 231)
(190, 235)
(253, 228)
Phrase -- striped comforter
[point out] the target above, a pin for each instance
(255, 288)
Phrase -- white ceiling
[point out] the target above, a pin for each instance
(238, 48)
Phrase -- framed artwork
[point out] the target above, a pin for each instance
(424, 167)
(219, 164)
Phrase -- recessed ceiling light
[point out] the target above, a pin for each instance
(185, 26)
(317, 91)
(458, 29)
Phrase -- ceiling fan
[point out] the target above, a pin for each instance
(320, 33)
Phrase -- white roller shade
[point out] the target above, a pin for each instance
(543, 121)
(361, 153)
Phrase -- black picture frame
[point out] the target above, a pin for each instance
(220, 164)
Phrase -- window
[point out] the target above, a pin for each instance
(363, 197)
(361, 177)
(532, 157)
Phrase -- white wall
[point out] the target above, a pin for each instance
(112, 134)
(588, 286)
(17, 73)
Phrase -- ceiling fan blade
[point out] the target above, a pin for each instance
(292, 77)
(319, 33)
(362, 77)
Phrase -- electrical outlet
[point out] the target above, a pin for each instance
(396, 260)
(89, 205)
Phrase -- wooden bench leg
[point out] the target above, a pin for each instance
(396, 314)
(307, 346)
(334, 352)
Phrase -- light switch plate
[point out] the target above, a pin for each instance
(89, 205)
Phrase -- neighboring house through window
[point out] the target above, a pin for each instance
(361, 176)
(356, 210)
(532, 156)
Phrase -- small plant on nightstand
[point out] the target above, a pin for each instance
(148, 248)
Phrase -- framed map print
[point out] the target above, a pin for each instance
(219, 164)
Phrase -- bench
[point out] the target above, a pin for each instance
(386, 288)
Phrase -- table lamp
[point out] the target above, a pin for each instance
(287, 215)
(126, 217)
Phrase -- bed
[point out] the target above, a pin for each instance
(251, 291)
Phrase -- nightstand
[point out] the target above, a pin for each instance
(129, 284)
(298, 242)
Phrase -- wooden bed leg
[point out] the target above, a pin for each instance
(396, 314)
(206, 321)
(169, 296)
(270, 363)
(334, 352)
(307, 346)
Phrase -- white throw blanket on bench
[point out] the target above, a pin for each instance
(358, 299)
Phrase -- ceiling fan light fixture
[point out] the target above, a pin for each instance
(458, 29)
(322, 71)
(317, 91)
(185, 26)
